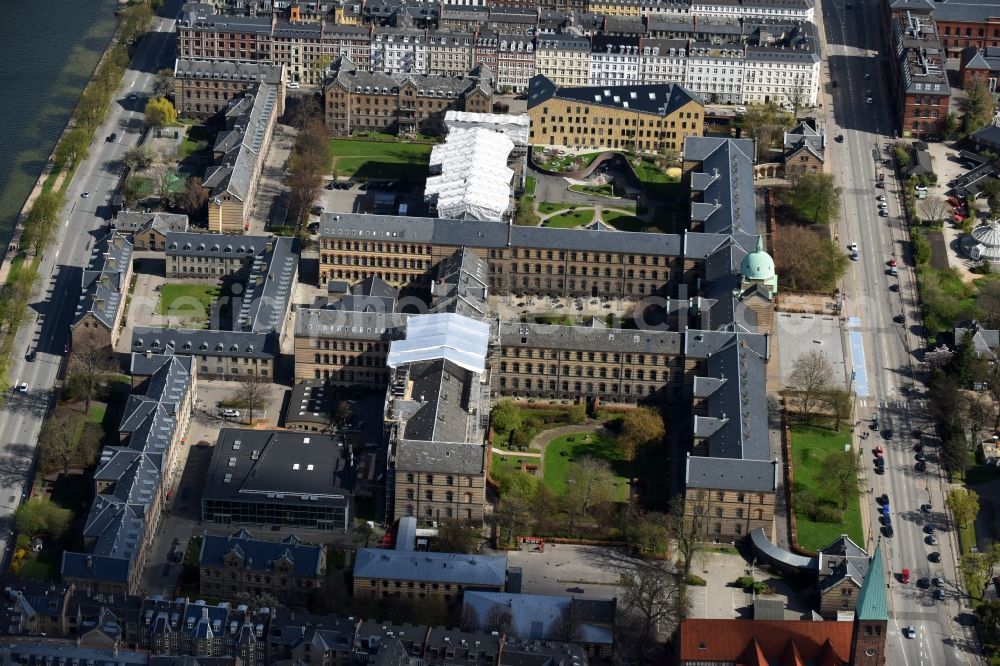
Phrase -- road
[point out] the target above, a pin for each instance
(885, 366)
(54, 303)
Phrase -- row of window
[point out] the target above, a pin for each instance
(351, 345)
(578, 388)
(593, 357)
(589, 371)
(429, 495)
(365, 361)
(376, 377)
(447, 512)
(449, 480)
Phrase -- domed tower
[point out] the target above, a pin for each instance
(759, 286)
(758, 269)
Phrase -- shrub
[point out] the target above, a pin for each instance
(697, 581)
(921, 248)
(824, 513)
(743, 581)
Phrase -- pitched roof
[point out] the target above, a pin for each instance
(661, 98)
(103, 280)
(260, 554)
(744, 641)
(241, 148)
(873, 602)
(534, 616)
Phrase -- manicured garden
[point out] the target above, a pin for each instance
(380, 160)
(609, 190)
(554, 159)
(810, 448)
(623, 221)
(570, 219)
(561, 452)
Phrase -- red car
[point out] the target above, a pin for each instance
(904, 576)
(892, 263)
(879, 453)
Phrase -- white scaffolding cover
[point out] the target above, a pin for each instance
(453, 337)
(517, 127)
(475, 180)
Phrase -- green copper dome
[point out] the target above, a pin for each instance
(758, 265)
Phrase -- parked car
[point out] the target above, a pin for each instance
(231, 413)
(921, 466)
(934, 557)
(926, 508)
(741, 109)
(23, 388)
(292, 85)
(85, 195)
(112, 137)
(883, 498)
(939, 594)
(932, 540)
(879, 452)
(929, 529)
(904, 576)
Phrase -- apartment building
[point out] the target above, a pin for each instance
(132, 479)
(179, 627)
(783, 65)
(203, 88)
(239, 154)
(645, 118)
(614, 61)
(716, 73)
(984, 65)
(564, 59)
(200, 255)
(449, 53)
(218, 354)
(795, 10)
(149, 230)
(964, 25)
(97, 321)
(662, 60)
(357, 101)
(515, 62)
(919, 83)
(289, 569)
(383, 573)
(345, 348)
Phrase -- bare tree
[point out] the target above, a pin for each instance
(566, 628)
(343, 412)
(194, 197)
(653, 603)
(686, 526)
(988, 301)
(589, 482)
(811, 376)
(252, 392)
(469, 620)
(88, 365)
(934, 209)
(257, 601)
(499, 620)
(510, 514)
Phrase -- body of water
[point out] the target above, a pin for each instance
(48, 51)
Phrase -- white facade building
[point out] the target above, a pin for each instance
(614, 61)
(716, 74)
(663, 61)
(397, 51)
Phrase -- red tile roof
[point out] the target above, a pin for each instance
(746, 641)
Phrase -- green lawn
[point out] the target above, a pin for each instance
(43, 565)
(564, 450)
(570, 219)
(195, 141)
(380, 159)
(546, 207)
(529, 185)
(509, 463)
(187, 301)
(606, 190)
(809, 447)
(623, 221)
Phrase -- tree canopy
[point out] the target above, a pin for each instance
(160, 112)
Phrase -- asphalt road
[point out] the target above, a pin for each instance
(887, 376)
(54, 303)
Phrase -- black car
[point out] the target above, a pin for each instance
(113, 137)
(893, 287)
(887, 531)
(921, 466)
(918, 447)
(880, 469)
(929, 529)
(839, 138)
(924, 582)
(926, 508)
(899, 319)
(883, 499)
(934, 557)
(920, 457)
(887, 433)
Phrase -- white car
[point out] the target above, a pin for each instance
(231, 413)
(869, 100)
(23, 388)
(854, 247)
(880, 197)
(741, 109)
(910, 631)
(920, 188)
(882, 205)
(85, 195)
(292, 85)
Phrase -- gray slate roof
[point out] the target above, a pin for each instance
(227, 70)
(197, 244)
(440, 457)
(723, 182)
(242, 147)
(204, 342)
(324, 322)
(139, 221)
(591, 339)
(536, 616)
(311, 402)
(103, 284)
(269, 287)
(468, 570)
(440, 412)
(260, 554)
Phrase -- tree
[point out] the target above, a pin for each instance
(577, 413)
(252, 391)
(510, 514)
(649, 533)
(807, 261)
(815, 197)
(88, 365)
(525, 214)
(194, 197)
(37, 517)
(506, 416)
(454, 537)
(258, 601)
(163, 84)
(73, 146)
(667, 157)
(840, 403)
(363, 533)
(978, 106)
(811, 377)
(567, 626)
(640, 428)
(589, 482)
(964, 505)
(652, 605)
(991, 192)
(138, 159)
(469, 620)
(955, 452)
(934, 209)
(160, 112)
(840, 476)
(766, 124)
(949, 125)
(343, 412)
(498, 619)
(966, 365)
(310, 161)
(60, 438)
(988, 615)
(686, 527)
